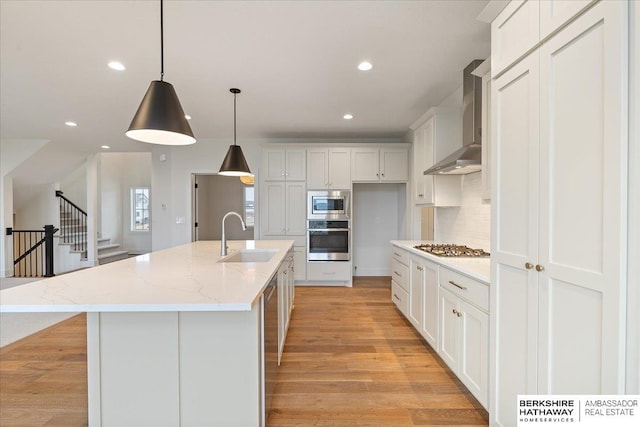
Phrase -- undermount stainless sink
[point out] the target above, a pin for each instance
(250, 255)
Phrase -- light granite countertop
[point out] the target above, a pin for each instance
(182, 278)
(476, 268)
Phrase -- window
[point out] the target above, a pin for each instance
(249, 210)
(139, 209)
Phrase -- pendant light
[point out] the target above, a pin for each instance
(234, 163)
(160, 118)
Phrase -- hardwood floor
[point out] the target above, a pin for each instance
(43, 377)
(350, 360)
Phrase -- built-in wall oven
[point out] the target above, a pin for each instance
(328, 204)
(328, 240)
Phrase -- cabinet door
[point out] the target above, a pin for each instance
(273, 209)
(486, 136)
(582, 207)
(273, 164)
(430, 315)
(365, 166)
(449, 321)
(416, 289)
(317, 169)
(514, 204)
(418, 165)
(340, 168)
(394, 164)
(295, 209)
(514, 31)
(554, 13)
(282, 278)
(296, 167)
(473, 365)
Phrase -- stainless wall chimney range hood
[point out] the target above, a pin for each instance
(467, 159)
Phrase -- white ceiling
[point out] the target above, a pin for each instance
(295, 62)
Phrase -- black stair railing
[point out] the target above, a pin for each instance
(73, 224)
(33, 250)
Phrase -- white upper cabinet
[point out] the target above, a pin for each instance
(523, 24)
(379, 164)
(283, 209)
(280, 164)
(329, 168)
(433, 140)
(554, 13)
(559, 217)
(514, 32)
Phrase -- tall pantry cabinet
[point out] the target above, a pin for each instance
(559, 161)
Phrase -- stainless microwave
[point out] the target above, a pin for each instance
(328, 204)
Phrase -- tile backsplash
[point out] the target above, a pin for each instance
(469, 224)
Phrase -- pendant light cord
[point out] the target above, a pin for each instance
(161, 43)
(234, 119)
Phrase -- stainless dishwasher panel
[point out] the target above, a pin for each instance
(270, 322)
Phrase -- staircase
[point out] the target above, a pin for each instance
(73, 233)
(109, 252)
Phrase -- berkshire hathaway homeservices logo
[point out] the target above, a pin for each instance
(578, 410)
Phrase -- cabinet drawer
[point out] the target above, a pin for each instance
(400, 297)
(400, 255)
(471, 290)
(400, 274)
(328, 271)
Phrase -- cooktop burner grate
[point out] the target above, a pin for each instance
(445, 250)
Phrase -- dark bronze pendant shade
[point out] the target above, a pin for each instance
(234, 163)
(160, 118)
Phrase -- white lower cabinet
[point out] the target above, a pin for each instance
(450, 311)
(400, 298)
(329, 271)
(286, 293)
(464, 331)
(464, 337)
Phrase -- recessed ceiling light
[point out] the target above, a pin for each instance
(115, 65)
(348, 116)
(188, 117)
(72, 124)
(365, 66)
(106, 147)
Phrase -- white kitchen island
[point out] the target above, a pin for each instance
(173, 337)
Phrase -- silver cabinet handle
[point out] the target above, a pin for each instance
(397, 254)
(396, 273)
(396, 297)
(419, 268)
(420, 195)
(457, 286)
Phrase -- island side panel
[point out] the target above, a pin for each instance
(220, 375)
(139, 369)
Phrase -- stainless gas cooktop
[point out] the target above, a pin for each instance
(446, 250)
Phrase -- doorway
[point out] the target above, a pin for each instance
(215, 195)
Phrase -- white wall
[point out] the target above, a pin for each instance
(378, 213)
(74, 187)
(119, 172)
(468, 224)
(41, 210)
(13, 152)
(6, 221)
